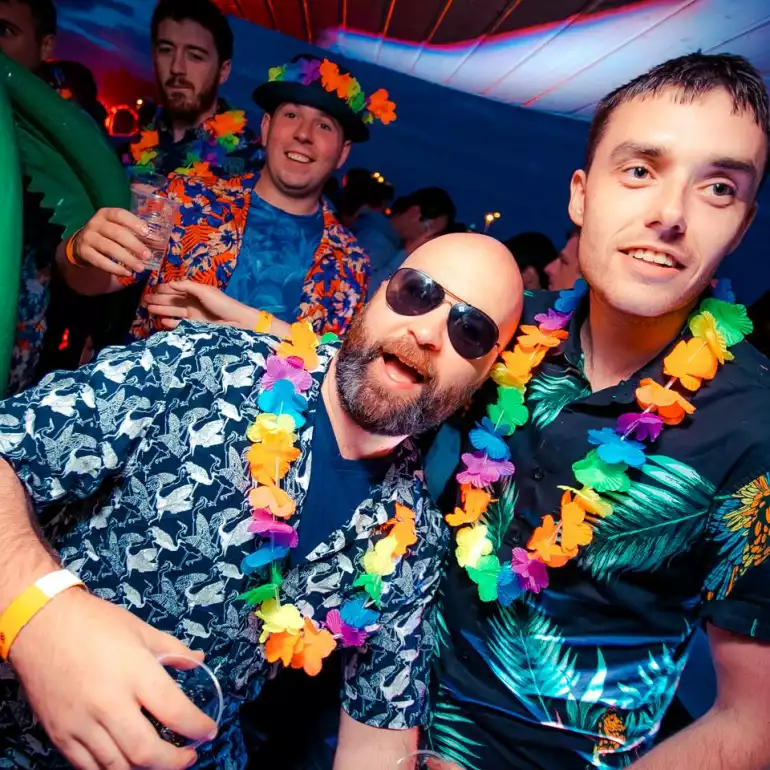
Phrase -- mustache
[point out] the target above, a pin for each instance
(178, 83)
(410, 354)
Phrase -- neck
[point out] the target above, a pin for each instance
(353, 441)
(617, 345)
(269, 191)
(179, 127)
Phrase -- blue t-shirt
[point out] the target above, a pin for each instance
(277, 252)
(337, 487)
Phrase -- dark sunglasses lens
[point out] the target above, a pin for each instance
(411, 292)
(472, 333)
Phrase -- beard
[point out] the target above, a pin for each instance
(376, 409)
(187, 105)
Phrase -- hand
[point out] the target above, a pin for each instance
(88, 668)
(111, 242)
(198, 302)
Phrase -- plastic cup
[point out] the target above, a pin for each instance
(159, 214)
(197, 681)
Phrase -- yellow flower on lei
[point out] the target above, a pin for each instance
(278, 618)
(472, 544)
(379, 561)
(302, 343)
(704, 326)
(268, 424)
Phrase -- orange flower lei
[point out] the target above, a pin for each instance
(717, 325)
(290, 636)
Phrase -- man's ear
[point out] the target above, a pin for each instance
(47, 47)
(577, 197)
(224, 71)
(344, 153)
(266, 119)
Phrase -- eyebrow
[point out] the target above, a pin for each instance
(162, 41)
(627, 150)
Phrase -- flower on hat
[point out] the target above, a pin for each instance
(381, 107)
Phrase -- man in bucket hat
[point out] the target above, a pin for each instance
(257, 251)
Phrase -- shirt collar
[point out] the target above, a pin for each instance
(625, 391)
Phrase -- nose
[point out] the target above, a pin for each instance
(667, 215)
(428, 330)
(178, 63)
(303, 131)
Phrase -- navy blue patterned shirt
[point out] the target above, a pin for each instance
(137, 467)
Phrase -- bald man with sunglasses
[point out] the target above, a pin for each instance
(151, 452)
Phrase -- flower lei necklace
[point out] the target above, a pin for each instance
(717, 325)
(289, 636)
(220, 137)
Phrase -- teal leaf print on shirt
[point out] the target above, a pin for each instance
(530, 657)
(650, 523)
(548, 394)
(445, 734)
(501, 512)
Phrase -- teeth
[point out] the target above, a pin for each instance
(653, 257)
(299, 158)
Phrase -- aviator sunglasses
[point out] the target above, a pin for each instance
(472, 333)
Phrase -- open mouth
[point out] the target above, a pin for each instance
(401, 372)
(652, 257)
(298, 157)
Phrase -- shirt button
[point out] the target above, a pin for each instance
(538, 474)
(464, 657)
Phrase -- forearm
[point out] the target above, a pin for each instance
(23, 553)
(371, 747)
(720, 740)
(86, 280)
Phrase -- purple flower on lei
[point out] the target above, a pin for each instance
(532, 573)
(480, 470)
(553, 320)
(291, 368)
(642, 426)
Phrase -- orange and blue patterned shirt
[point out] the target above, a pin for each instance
(207, 240)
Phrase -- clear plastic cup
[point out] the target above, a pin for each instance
(159, 214)
(197, 681)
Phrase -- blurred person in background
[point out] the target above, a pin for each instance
(28, 31)
(563, 271)
(414, 220)
(363, 193)
(533, 252)
(28, 37)
(195, 131)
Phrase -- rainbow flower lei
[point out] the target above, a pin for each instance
(717, 325)
(377, 106)
(289, 636)
(221, 137)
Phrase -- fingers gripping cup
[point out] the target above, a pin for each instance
(158, 213)
(198, 682)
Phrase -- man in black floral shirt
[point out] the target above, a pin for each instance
(149, 450)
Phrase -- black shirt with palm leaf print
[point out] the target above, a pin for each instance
(581, 675)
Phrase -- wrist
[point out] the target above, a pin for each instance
(71, 249)
(30, 603)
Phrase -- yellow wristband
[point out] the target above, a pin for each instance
(69, 249)
(29, 602)
(264, 322)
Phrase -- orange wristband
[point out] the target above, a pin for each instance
(69, 248)
(29, 602)
(264, 322)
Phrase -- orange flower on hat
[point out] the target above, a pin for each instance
(147, 141)
(333, 80)
(666, 402)
(381, 107)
